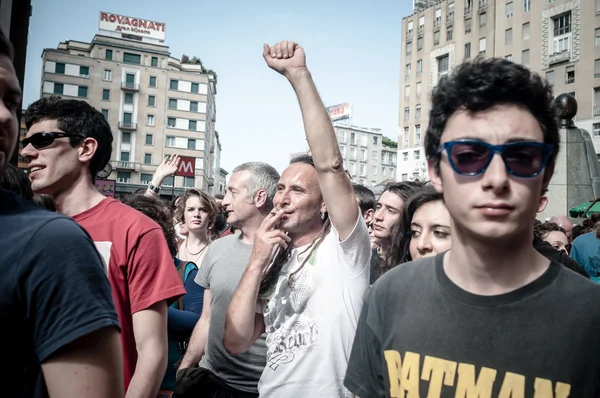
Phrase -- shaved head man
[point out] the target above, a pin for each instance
(565, 223)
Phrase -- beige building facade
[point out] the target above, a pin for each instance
(156, 105)
(559, 39)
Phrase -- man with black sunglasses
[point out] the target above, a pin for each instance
(67, 143)
(492, 317)
(59, 328)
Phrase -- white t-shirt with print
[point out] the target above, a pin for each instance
(311, 322)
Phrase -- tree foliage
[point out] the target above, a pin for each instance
(389, 142)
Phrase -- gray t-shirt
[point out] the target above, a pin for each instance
(222, 268)
(420, 334)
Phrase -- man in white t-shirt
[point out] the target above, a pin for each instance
(309, 269)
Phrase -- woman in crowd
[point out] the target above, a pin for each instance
(424, 229)
(553, 234)
(185, 313)
(586, 247)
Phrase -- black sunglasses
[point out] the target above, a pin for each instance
(44, 139)
(523, 159)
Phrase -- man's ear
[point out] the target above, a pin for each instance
(260, 198)
(88, 148)
(434, 175)
(368, 215)
(543, 202)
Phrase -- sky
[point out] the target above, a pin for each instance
(352, 48)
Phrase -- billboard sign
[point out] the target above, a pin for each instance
(187, 167)
(106, 187)
(340, 111)
(129, 26)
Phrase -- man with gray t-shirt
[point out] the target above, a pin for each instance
(249, 197)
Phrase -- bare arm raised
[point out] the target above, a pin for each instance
(288, 59)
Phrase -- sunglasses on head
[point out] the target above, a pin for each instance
(523, 159)
(44, 139)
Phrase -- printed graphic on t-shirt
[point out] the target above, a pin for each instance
(104, 250)
(289, 326)
(468, 380)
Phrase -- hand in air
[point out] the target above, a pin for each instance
(169, 166)
(268, 236)
(285, 57)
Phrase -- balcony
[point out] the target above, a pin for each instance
(421, 31)
(437, 22)
(122, 165)
(127, 125)
(450, 16)
(596, 110)
(409, 34)
(468, 11)
(559, 57)
(130, 86)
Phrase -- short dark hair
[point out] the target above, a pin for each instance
(366, 197)
(482, 84)
(16, 181)
(158, 211)
(75, 117)
(308, 159)
(404, 188)
(542, 230)
(6, 47)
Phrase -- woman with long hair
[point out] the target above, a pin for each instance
(424, 229)
(554, 234)
(197, 212)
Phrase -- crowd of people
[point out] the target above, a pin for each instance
(301, 284)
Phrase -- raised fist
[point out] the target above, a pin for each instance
(285, 57)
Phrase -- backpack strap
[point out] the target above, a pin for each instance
(181, 270)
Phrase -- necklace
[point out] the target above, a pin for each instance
(188, 253)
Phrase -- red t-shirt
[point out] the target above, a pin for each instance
(139, 265)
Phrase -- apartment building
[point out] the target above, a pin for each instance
(365, 156)
(559, 39)
(155, 104)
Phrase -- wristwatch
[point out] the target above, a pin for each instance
(153, 188)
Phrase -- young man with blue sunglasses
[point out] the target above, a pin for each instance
(491, 317)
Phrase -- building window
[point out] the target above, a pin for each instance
(129, 58)
(467, 50)
(352, 168)
(482, 45)
(343, 150)
(525, 32)
(436, 38)
(82, 92)
(125, 137)
(128, 99)
(193, 125)
(509, 10)
(149, 139)
(526, 5)
(409, 28)
(363, 140)
(108, 55)
(342, 135)
(152, 81)
(195, 88)
(417, 154)
(124, 176)
(352, 153)
(482, 20)
(405, 156)
(597, 68)
(597, 7)
(174, 85)
(374, 156)
(407, 71)
(406, 114)
(404, 177)
(154, 62)
(406, 91)
(151, 100)
(419, 89)
(375, 140)
(189, 182)
(147, 158)
(562, 25)
(525, 57)
(172, 103)
(570, 75)
(421, 24)
(508, 37)
(145, 178)
(353, 138)
(193, 106)
(409, 48)
(150, 120)
(105, 95)
(107, 75)
(442, 66)
(468, 24)
(438, 17)
(105, 113)
(597, 37)
(171, 122)
(418, 112)
(420, 44)
(363, 169)
(58, 88)
(405, 138)
(127, 118)
(363, 155)
(84, 71)
(550, 77)
(130, 80)
(374, 168)
(449, 33)
(59, 68)
(419, 66)
(508, 57)
(418, 133)
(168, 181)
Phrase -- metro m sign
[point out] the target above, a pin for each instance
(187, 167)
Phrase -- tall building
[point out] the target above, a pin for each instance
(156, 104)
(548, 36)
(366, 158)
